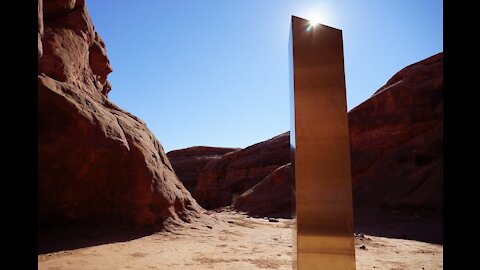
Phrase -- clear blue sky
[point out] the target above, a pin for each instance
(215, 72)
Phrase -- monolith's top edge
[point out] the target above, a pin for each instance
(296, 17)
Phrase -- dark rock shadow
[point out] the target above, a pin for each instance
(74, 237)
(425, 226)
(420, 225)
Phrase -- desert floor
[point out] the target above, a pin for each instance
(220, 240)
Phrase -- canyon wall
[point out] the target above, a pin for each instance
(97, 163)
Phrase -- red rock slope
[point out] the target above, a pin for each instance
(271, 197)
(222, 180)
(396, 139)
(188, 162)
(96, 162)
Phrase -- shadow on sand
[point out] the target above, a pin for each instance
(425, 227)
(74, 237)
(400, 224)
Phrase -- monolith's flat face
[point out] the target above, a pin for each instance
(321, 152)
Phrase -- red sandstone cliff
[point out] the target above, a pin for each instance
(188, 162)
(396, 139)
(408, 105)
(96, 162)
(222, 180)
(271, 197)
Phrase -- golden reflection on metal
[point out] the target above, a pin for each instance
(323, 237)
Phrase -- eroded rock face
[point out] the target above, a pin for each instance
(96, 162)
(222, 180)
(271, 197)
(396, 139)
(188, 162)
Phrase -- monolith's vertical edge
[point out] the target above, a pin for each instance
(323, 236)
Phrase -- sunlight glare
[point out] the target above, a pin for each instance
(314, 20)
(318, 14)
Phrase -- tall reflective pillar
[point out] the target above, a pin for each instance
(323, 235)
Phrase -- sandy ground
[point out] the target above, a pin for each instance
(228, 240)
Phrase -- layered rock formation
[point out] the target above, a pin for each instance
(410, 104)
(96, 162)
(396, 139)
(222, 180)
(188, 162)
(271, 197)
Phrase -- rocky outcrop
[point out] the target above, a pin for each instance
(271, 197)
(396, 139)
(96, 162)
(188, 162)
(222, 180)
